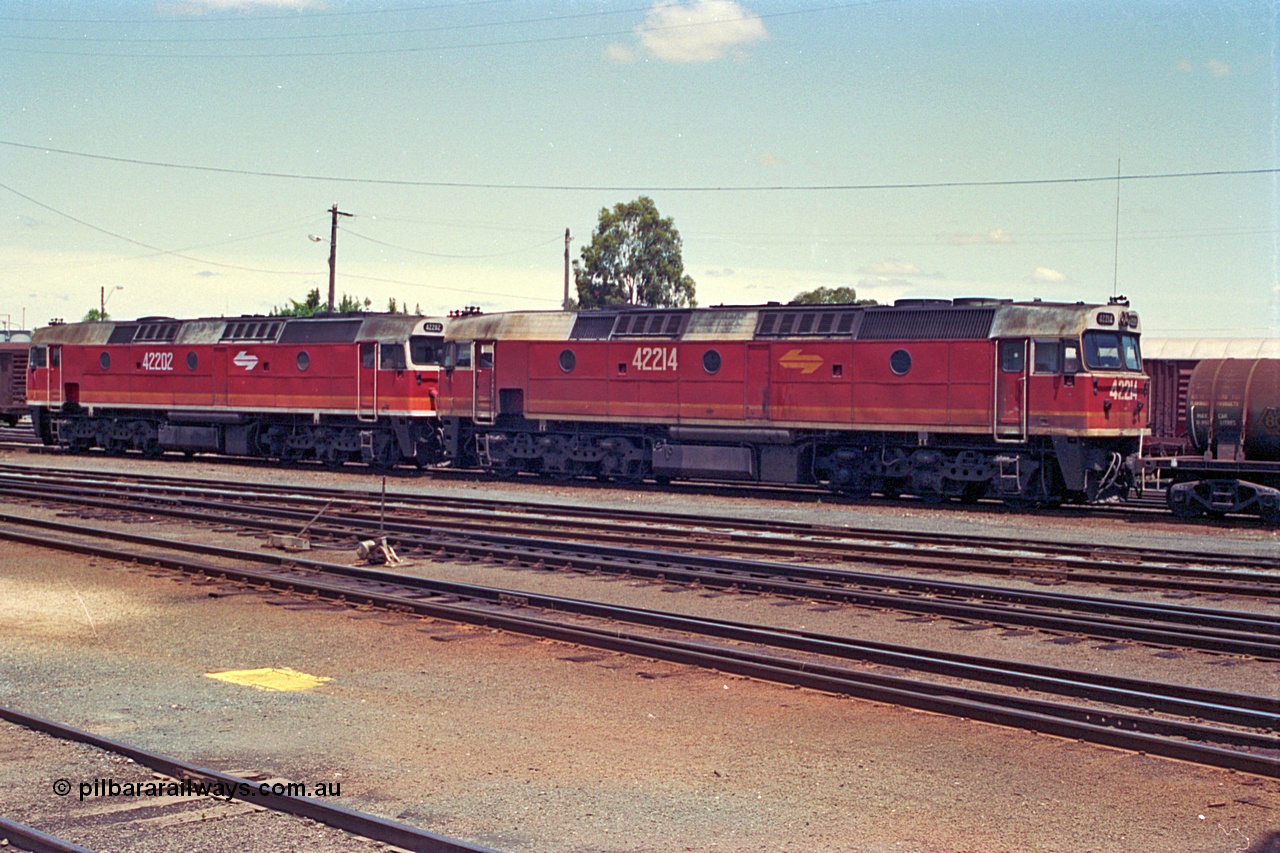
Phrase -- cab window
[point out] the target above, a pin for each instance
(391, 356)
(1012, 356)
(1111, 351)
(1048, 356)
(38, 356)
(425, 350)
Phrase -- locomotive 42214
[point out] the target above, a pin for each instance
(1029, 402)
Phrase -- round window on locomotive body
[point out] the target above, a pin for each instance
(104, 361)
(900, 362)
(568, 361)
(192, 361)
(711, 361)
(304, 360)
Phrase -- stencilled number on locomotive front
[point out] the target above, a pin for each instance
(1124, 389)
(157, 361)
(654, 358)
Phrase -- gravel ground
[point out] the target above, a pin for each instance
(534, 746)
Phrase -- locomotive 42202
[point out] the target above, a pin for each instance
(1028, 402)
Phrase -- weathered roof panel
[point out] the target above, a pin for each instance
(1041, 319)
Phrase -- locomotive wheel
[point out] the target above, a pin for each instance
(1270, 515)
(387, 455)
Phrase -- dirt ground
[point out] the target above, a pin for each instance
(526, 745)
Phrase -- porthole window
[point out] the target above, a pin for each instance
(192, 361)
(304, 360)
(900, 362)
(711, 361)
(568, 361)
(104, 361)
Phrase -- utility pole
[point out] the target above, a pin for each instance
(566, 269)
(333, 251)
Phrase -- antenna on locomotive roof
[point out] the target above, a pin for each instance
(1115, 259)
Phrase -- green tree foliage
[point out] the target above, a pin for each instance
(392, 307)
(93, 315)
(634, 259)
(313, 304)
(831, 296)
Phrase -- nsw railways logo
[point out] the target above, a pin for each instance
(806, 363)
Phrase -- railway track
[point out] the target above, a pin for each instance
(1206, 726)
(1162, 569)
(1211, 629)
(192, 779)
(1149, 506)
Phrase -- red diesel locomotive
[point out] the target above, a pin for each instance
(1033, 402)
(334, 388)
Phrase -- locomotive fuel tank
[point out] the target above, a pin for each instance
(1233, 409)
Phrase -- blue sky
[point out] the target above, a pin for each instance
(184, 150)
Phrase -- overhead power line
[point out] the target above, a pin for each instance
(421, 48)
(689, 188)
(157, 249)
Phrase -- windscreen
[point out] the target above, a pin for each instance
(1112, 351)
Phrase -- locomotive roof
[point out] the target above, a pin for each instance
(245, 329)
(974, 318)
(1197, 349)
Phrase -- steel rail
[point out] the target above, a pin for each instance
(1179, 613)
(441, 600)
(1209, 629)
(1017, 566)
(463, 506)
(24, 837)
(346, 820)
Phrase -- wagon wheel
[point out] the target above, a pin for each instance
(1182, 509)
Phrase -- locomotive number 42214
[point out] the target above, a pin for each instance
(654, 358)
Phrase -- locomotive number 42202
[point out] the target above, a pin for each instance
(157, 361)
(654, 358)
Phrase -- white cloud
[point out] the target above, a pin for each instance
(1046, 275)
(620, 54)
(996, 236)
(1216, 67)
(702, 31)
(891, 268)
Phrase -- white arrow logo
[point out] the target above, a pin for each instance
(243, 359)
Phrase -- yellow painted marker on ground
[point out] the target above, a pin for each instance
(270, 678)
